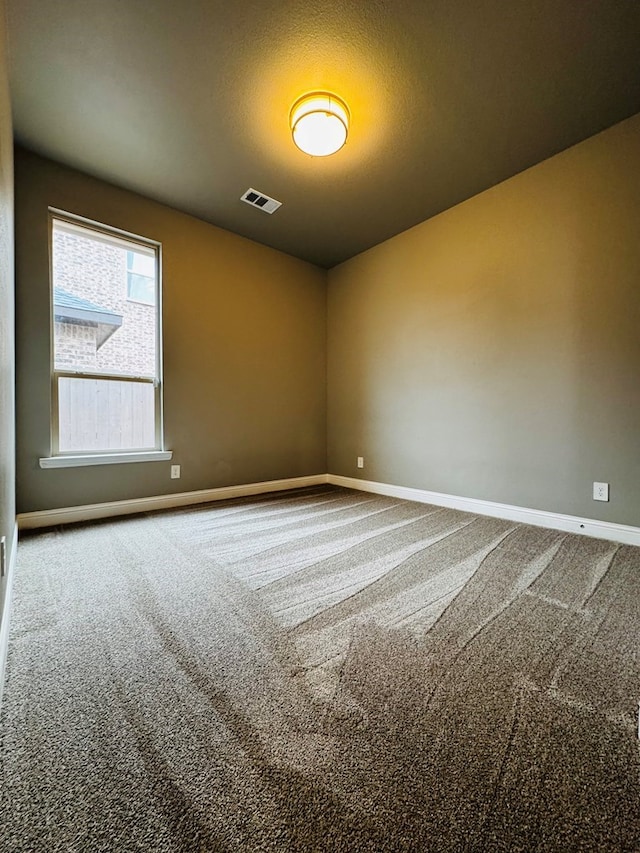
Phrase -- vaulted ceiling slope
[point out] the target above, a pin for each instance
(187, 101)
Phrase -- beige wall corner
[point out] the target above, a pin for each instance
(7, 361)
(244, 350)
(493, 351)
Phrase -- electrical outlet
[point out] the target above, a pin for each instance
(360, 461)
(175, 472)
(601, 491)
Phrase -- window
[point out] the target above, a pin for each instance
(106, 341)
(141, 277)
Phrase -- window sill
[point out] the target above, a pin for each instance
(85, 459)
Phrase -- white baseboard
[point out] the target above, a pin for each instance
(540, 518)
(6, 609)
(66, 515)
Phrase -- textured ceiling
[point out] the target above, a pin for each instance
(187, 101)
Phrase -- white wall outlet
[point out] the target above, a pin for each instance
(601, 491)
(175, 472)
(360, 461)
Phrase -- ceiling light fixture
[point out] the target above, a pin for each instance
(319, 123)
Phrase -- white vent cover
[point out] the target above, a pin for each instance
(260, 200)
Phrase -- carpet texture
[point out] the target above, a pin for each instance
(321, 670)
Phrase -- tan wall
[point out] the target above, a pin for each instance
(7, 362)
(494, 351)
(244, 349)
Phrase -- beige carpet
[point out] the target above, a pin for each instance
(323, 670)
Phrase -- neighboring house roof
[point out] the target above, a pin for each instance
(71, 308)
(64, 299)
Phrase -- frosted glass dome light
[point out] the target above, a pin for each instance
(319, 123)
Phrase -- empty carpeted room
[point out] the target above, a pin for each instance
(319, 426)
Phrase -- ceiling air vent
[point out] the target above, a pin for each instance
(260, 200)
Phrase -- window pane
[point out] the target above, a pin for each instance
(141, 263)
(105, 414)
(96, 327)
(141, 288)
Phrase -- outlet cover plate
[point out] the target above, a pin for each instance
(601, 491)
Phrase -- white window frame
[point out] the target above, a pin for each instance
(64, 459)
